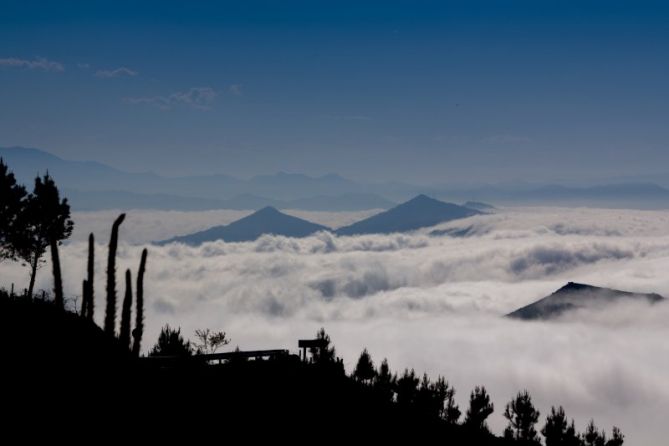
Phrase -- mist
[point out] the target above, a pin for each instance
(432, 303)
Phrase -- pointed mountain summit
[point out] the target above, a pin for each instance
(575, 296)
(419, 212)
(267, 220)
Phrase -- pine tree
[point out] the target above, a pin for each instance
(12, 197)
(617, 438)
(406, 388)
(557, 431)
(45, 222)
(522, 416)
(480, 408)
(592, 436)
(384, 382)
(364, 369)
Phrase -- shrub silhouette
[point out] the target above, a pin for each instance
(171, 343)
(209, 341)
(110, 313)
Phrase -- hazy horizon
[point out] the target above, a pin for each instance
(461, 92)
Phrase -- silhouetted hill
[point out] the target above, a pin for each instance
(419, 212)
(575, 296)
(265, 221)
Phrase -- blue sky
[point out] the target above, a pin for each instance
(415, 91)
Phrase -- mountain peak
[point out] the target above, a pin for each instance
(419, 212)
(574, 296)
(267, 220)
(422, 198)
(267, 211)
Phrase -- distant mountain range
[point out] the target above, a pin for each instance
(118, 199)
(419, 212)
(416, 213)
(574, 296)
(93, 186)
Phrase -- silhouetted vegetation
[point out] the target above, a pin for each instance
(110, 313)
(138, 332)
(88, 298)
(209, 341)
(522, 417)
(126, 309)
(171, 343)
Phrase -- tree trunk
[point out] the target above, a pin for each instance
(57, 278)
(33, 274)
(90, 305)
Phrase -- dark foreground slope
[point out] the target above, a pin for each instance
(64, 377)
(575, 296)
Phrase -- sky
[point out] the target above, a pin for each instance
(435, 304)
(425, 92)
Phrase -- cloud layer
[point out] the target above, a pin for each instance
(432, 303)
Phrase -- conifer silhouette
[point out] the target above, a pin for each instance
(480, 408)
(557, 431)
(364, 369)
(522, 417)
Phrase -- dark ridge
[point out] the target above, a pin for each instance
(574, 296)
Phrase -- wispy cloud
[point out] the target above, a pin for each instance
(39, 63)
(235, 89)
(118, 72)
(197, 97)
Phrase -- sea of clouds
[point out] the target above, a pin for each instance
(432, 303)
